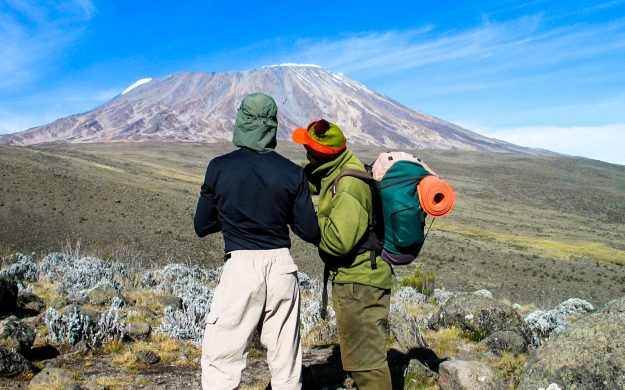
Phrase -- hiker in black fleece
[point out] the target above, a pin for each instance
(252, 196)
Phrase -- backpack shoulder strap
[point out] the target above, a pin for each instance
(362, 175)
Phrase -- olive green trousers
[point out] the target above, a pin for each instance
(361, 318)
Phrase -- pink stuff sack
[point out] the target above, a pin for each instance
(387, 159)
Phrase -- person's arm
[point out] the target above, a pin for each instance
(346, 224)
(304, 220)
(206, 219)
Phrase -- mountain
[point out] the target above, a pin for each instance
(201, 107)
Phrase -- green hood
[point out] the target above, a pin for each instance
(256, 124)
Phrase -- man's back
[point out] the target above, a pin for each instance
(256, 196)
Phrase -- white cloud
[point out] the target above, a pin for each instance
(33, 34)
(522, 44)
(605, 143)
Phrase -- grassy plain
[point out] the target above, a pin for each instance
(534, 230)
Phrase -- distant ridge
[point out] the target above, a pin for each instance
(201, 107)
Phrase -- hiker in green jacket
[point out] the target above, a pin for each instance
(361, 282)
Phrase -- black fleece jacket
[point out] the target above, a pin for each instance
(252, 198)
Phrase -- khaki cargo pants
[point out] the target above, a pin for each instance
(256, 286)
(361, 318)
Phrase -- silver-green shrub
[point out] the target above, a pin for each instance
(76, 274)
(21, 267)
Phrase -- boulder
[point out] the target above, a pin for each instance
(30, 302)
(468, 375)
(320, 367)
(51, 376)
(138, 330)
(17, 334)
(441, 296)
(505, 341)
(170, 300)
(587, 354)
(480, 315)
(102, 294)
(12, 363)
(8, 294)
(147, 357)
(405, 332)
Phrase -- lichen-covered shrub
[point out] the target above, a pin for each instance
(191, 285)
(20, 267)
(76, 274)
(54, 264)
(543, 324)
(408, 295)
(175, 272)
(75, 326)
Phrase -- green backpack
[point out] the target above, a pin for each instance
(397, 233)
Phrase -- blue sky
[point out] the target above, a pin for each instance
(537, 73)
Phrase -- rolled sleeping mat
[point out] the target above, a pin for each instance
(436, 196)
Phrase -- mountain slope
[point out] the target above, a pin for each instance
(202, 107)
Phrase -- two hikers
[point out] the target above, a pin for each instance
(361, 280)
(253, 195)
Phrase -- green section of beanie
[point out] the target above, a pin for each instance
(327, 133)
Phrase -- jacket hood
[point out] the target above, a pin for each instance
(257, 123)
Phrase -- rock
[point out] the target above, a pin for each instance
(321, 366)
(587, 354)
(170, 300)
(102, 294)
(8, 294)
(484, 293)
(480, 315)
(51, 376)
(147, 357)
(441, 296)
(81, 347)
(322, 333)
(468, 375)
(505, 341)
(138, 330)
(17, 334)
(12, 363)
(406, 333)
(30, 302)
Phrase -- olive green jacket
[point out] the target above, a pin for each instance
(344, 220)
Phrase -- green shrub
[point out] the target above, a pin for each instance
(420, 281)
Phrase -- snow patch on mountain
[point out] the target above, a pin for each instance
(293, 65)
(136, 84)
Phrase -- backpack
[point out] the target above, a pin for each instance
(397, 233)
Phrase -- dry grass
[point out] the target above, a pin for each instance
(128, 359)
(113, 382)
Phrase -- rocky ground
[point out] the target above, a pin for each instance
(71, 321)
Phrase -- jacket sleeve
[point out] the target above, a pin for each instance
(345, 225)
(304, 220)
(206, 219)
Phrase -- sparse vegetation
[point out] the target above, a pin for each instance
(421, 281)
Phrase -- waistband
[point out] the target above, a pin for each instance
(258, 253)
